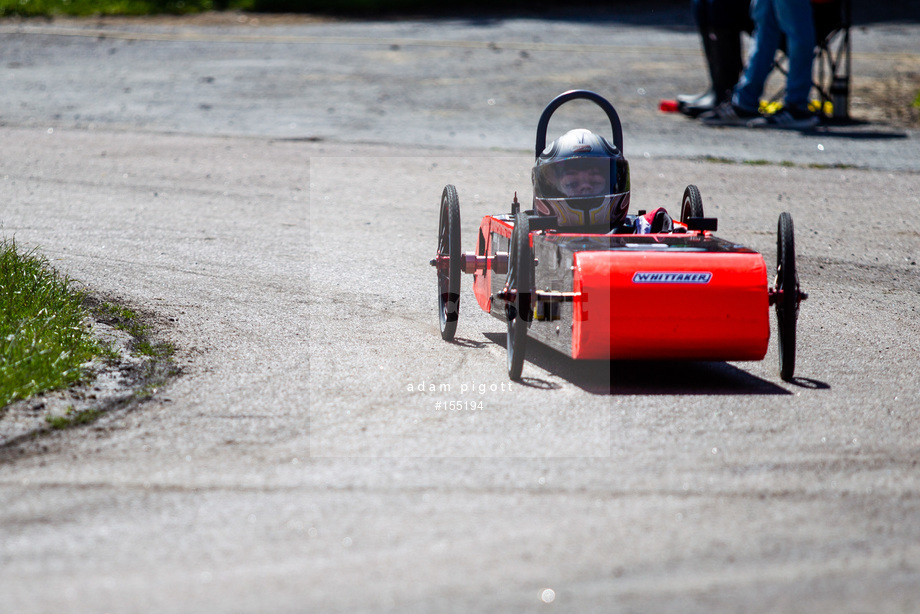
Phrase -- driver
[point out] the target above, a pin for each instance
(580, 179)
(583, 180)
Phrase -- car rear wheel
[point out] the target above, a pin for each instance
(787, 285)
(520, 280)
(448, 262)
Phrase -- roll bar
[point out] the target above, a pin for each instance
(565, 97)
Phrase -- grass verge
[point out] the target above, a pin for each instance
(73, 417)
(44, 336)
(128, 321)
(67, 357)
(84, 8)
(786, 163)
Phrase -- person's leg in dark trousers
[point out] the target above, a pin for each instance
(721, 23)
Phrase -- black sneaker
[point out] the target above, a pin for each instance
(729, 114)
(789, 118)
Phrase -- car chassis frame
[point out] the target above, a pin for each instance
(681, 295)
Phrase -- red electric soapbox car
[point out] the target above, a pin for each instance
(582, 276)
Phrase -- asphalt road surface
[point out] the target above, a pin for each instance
(269, 200)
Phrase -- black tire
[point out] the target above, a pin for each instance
(520, 278)
(787, 307)
(449, 276)
(691, 205)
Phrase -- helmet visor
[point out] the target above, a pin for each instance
(581, 177)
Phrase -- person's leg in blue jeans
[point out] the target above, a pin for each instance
(772, 19)
(763, 50)
(795, 18)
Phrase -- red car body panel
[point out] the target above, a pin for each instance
(482, 280)
(652, 305)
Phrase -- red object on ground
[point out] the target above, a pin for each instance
(668, 106)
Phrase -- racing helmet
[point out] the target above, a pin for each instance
(582, 179)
